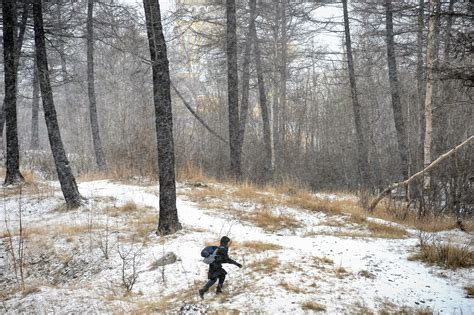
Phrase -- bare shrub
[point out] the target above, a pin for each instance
(130, 259)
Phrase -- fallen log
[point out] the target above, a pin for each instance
(404, 183)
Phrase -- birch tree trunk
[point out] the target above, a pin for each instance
(168, 222)
(98, 150)
(65, 176)
(420, 83)
(363, 155)
(232, 89)
(13, 174)
(268, 168)
(430, 60)
(395, 90)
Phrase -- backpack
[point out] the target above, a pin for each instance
(209, 253)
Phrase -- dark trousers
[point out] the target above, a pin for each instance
(211, 282)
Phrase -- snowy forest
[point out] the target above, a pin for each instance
(315, 148)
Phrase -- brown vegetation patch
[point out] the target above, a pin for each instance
(446, 254)
(469, 291)
(266, 265)
(292, 288)
(270, 222)
(386, 231)
(313, 306)
(257, 246)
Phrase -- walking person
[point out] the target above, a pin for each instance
(216, 272)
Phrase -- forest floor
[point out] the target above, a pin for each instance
(296, 259)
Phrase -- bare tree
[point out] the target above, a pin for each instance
(232, 89)
(395, 90)
(267, 140)
(34, 142)
(63, 168)
(169, 222)
(430, 60)
(98, 150)
(361, 143)
(13, 174)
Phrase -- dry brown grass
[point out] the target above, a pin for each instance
(269, 221)
(292, 288)
(257, 246)
(151, 307)
(386, 231)
(93, 176)
(266, 265)
(469, 290)
(341, 272)
(446, 254)
(129, 206)
(313, 306)
(322, 261)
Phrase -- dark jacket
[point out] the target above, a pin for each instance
(222, 257)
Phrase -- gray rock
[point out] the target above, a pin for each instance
(168, 259)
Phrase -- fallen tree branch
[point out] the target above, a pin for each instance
(197, 116)
(413, 177)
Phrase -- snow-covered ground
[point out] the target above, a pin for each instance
(337, 267)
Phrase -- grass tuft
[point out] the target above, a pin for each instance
(386, 231)
(313, 306)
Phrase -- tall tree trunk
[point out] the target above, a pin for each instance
(283, 79)
(268, 168)
(395, 91)
(245, 91)
(276, 88)
(430, 60)
(232, 89)
(363, 155)
(13, 174)
(34, 143)
(99, 152)
(169, 222)
(420, 83)
(18, 35)
(63, 168)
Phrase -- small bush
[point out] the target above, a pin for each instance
(445, 254)
(267, 265)
(469, 291)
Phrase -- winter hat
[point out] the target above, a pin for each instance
(225, 240)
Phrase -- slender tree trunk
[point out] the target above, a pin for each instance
(268, 168)
(232, 89)
(13, 174)
(363, 155)
(169, 222)
(430, 60)
(99, 152)
(245, 91)
(34, 144)
(283, 79)
(395, 91)
(420, 83)
(276, 88)
(63, 168)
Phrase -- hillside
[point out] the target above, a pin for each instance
(297, 259)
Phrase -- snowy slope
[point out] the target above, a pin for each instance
(67, 270)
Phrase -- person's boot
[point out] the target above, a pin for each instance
(219, 289)
(201, 293)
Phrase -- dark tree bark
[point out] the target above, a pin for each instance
(395, 90)
(13, 174)
(34, 144)
(18, 43)
(267, 140)
(99, 152)
(233, 90)
(276, 88)
(169, 222)
(363, 155)
(65, 176)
